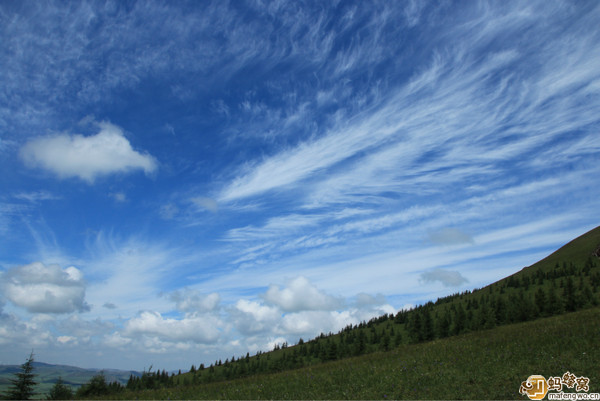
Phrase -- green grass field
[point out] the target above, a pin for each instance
(488, 364)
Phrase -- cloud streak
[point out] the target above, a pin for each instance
(312, 165)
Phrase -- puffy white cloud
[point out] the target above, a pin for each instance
(254, 317)
(195, 328)
(300, 295)
(86, 157)
(45, 289)
(311, 323)
(193, 301)
(448, 278)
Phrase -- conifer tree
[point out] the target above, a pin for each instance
(23, 383)
(443, 325)
(540, 300)
(415, 330)
(426, 326)
(60, 391)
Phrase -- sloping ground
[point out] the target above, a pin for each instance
(489, 364)
(576, 251)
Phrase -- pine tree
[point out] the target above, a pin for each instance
(22, 385)
(415, 331)
(398, 338)
(459, 321)
(96, 386)
(569, 295)
(540, 300)
(443, 325)
(427, 325)
(60, 391)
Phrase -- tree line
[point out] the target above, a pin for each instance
(518, 298)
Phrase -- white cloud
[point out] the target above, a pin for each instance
(152, 325)
(448, 278)
(187, 300)
(300, 295)
(114, 263)
(312, 323)
(66, 339)
(87, 158)
(45, 289)
(253, 317)
(36, 196)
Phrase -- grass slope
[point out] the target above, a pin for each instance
(568, 279)
(481, 348)
(576, 251)
(488, 364)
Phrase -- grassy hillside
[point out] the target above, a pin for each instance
(544, 319)
(578, 251)
(566, 281)
(488, 364)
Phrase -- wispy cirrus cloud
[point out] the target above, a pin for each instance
(452, 115)
(320, 164)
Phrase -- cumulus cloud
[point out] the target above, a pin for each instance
(193, 301)
(45, 289)
(450, 236)
(196, 328)
(251, 317)
(448, 278)
(311, 323)
(300, 295)
(86, 157)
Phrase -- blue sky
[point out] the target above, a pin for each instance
(187, 181)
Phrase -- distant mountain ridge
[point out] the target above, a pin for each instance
(47, 374)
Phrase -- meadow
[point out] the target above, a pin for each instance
(487, 364)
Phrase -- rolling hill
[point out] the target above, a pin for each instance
(47, 374)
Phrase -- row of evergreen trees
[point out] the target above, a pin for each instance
(521, 297)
